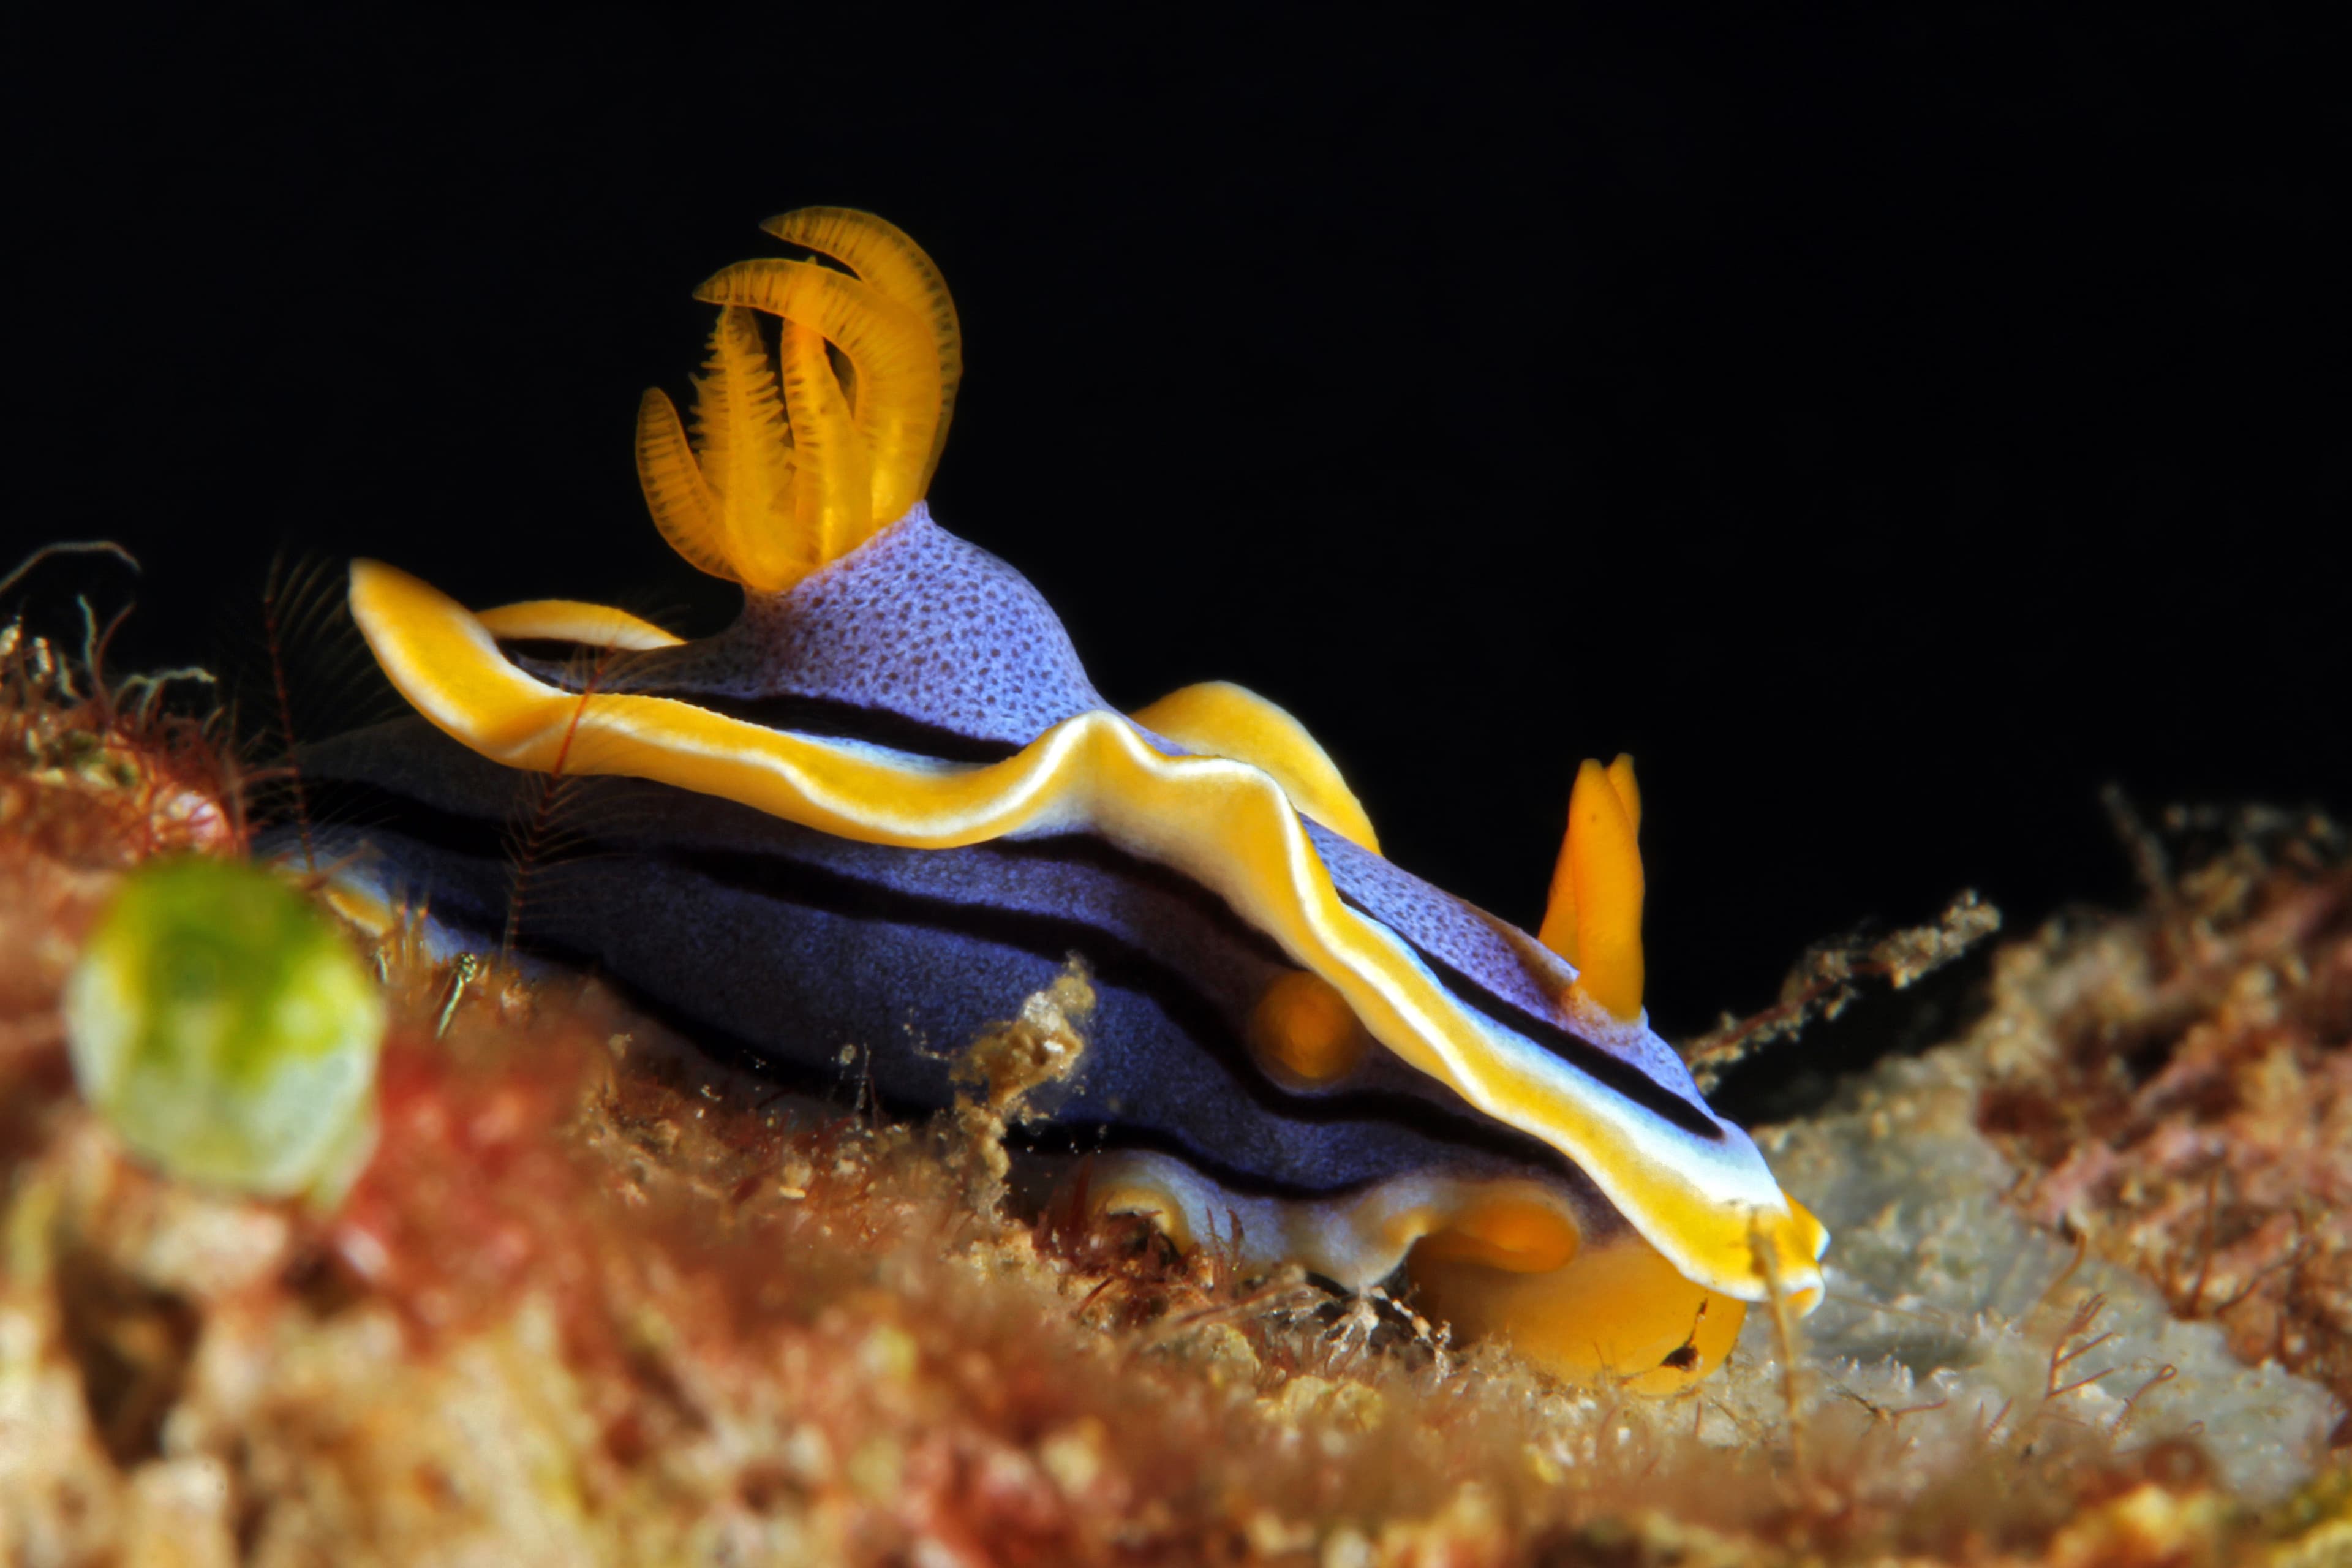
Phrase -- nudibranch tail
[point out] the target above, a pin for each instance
(796, 464)
(1594, 916)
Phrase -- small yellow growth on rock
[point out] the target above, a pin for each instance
(1039, 1048)
(227, 1029)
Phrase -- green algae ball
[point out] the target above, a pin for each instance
(228, 1031)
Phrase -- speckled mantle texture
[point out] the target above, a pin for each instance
(592, 1303)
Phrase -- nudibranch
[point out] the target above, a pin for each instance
(887, 804)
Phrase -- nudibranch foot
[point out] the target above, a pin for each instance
(888, 804)
(1546, 1265)
(1618, 1312)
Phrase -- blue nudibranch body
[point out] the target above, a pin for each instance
(887, 805)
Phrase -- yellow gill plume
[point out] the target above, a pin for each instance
(1593, 918)
(794, 463)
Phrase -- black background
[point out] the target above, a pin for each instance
(1889, 430)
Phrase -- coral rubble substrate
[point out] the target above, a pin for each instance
(592, 1301)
